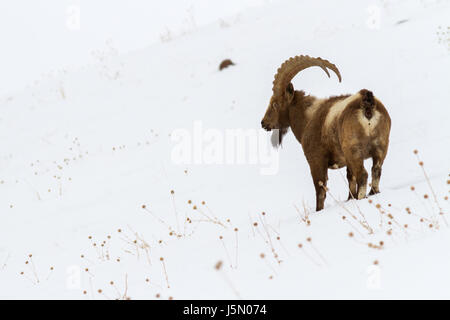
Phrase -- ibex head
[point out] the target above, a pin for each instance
(277, 116)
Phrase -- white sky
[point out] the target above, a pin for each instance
(39, 36)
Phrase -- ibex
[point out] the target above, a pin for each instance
(334, 132)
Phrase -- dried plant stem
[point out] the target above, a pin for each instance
(318, 253)
(237, 249)
(230, 284)
(175, 211)
(308, 256)
(269, 240)
(441, 212)
(165, 272)
(125, 293)
(33, 268)
(363, 223)
(226, 251)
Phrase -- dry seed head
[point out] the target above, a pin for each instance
(370, 200)
(172, 192)
(378, 206)
(218, 265)
(421, 163)
(189, 201)
(300, 245)
(236, 229)
(425, 196)
(144, 206)
(412, 188)
(262, 255)
(161, 259)
(309, 239)
(99, 290)
(255, 224)
(203, 202)
(375, 262)
(350, 234)
(415, 151)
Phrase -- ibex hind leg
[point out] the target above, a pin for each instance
(356, 167)
(377, 162)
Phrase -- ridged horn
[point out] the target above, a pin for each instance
(289, 69)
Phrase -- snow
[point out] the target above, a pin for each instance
(89, 152)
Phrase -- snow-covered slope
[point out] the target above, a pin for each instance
(92, 187)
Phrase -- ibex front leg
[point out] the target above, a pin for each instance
(319, 172)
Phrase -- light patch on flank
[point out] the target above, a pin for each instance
(369, 125)
(337, 108)
(313, 108)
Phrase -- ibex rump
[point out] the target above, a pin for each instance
(335, 132)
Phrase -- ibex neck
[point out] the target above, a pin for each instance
(301, 111)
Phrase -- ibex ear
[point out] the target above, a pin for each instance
(290, 92)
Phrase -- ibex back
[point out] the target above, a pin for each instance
(334, 132)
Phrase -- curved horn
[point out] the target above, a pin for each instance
(294, 65)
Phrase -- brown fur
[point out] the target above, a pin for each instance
(359, 131)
